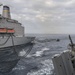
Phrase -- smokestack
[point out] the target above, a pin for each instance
(6, 12)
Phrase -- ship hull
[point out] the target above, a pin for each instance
(8, 42)
(9, 53)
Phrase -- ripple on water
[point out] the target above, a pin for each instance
(46, 69)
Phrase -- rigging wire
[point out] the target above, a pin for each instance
(5, 41)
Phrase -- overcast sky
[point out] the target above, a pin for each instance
(44, 16)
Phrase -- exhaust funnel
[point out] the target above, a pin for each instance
(6, 12)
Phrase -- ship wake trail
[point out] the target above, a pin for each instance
(25, 51)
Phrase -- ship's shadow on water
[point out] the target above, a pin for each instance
(35, 59)
(10, 56)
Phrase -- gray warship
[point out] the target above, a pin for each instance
(11, 36)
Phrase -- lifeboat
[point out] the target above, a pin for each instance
(6, 30)
(3, 30)
(10, 31)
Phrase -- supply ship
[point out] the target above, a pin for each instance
(11, 35)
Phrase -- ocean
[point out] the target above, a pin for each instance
(38, 61)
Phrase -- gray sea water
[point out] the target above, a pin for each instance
(38, 61)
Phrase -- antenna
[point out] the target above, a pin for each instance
(72, 44)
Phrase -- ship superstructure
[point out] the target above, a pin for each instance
(9, 26)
